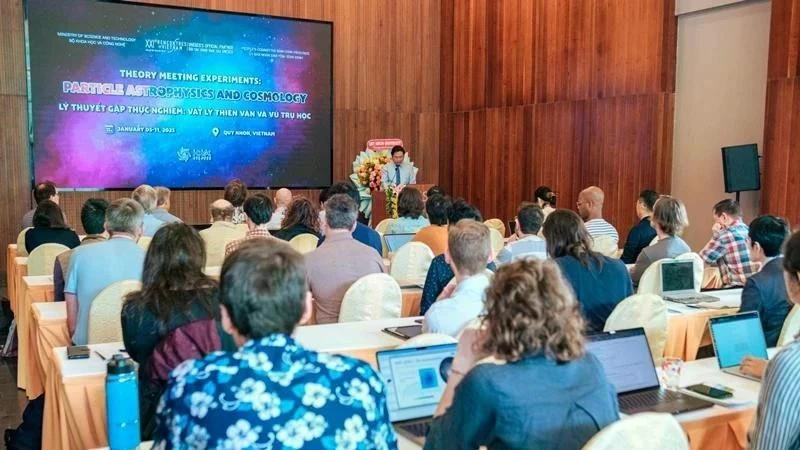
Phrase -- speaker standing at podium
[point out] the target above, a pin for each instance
(398, 171)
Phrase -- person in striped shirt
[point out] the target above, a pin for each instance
(777, 422)
(590, 207)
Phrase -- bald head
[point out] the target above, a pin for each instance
(221, 210)
(590, 203)
(283, 197)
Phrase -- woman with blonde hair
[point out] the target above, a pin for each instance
(549, 393)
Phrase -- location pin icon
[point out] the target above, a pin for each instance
(215, 131)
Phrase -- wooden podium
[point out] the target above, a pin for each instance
(379, 202)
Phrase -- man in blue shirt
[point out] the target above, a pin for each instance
(642, 234)
(362, 233)
(272, 392)
(94, 267)
(146, 196)
(399, 171)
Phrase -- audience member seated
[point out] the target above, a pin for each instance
(283, 198)
(258, 210)
(551, 393)
(146, 196)
(642, 234)
(45, 190)
(236, 193)
(590, 207)
(323, 196)
(669, 219)
(728, 250)
(546, 199)
(440, 273)
(94, 267)
(93, 217)
(468, 250)
(527, 243)
(175, 291)
(435, 190)
(49, 228)
(161, 212)
(409, 213)
(272, 392)
(340, 261)
(300, 218)
(765, 291)
(777, 422)
(599, 282)
(435, 234)
(221, 232)
(361, 233)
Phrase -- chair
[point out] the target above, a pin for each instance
(21, 250)
(605, 245)
(304, 243)
(498, 242)
(410, 263)
(383, 225)
(144, 242)
(427, 340)
(650, 282)
(642, 431)
(372, 297)
(43, 258)
(104, 314)
(496, 224)
(642, 310)
(791, 327)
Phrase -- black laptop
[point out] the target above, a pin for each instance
(628, 364)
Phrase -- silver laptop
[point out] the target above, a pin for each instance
(395, 241)
(415, 379)
(735, 337)
(677, 284)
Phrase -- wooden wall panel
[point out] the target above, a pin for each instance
(784, 40)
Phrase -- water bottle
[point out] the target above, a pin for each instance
(122, 403)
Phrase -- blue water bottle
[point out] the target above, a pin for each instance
(122, 403)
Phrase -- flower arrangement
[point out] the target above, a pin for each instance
(367, 168)
(392, 194)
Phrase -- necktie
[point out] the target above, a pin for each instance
(397, 175)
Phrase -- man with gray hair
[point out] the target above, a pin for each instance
(340, 261)
(221, 232)
(146, 196)
(94, 267)
(161, 212)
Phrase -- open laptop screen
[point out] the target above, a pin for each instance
(677, 276)
(626, 359)
(415, 379)
(395, 241)
(737, 336)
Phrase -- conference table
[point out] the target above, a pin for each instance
(687, 327)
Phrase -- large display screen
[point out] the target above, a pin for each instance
(124, 94)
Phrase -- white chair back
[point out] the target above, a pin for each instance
(427, 340)
(497, 239)
(304, 243)
(605, 245)
(383, 225)
(642, 310)
(791, 327)
(643, 431)
(411, 262)
(650, 283)
(372, 297)
(105, 324)
(496, 224)
(43, 258)
(144, 242)
(21, 250)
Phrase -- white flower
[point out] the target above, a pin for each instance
(376, 384)
(199, 403)
(353, 433)
(316, 424)
(334, 363)
(267, 405)
(293, 434)
(198, 437)
(358, 390)
(242, 435)
(316, 395)
(250, 389)
(258, 361)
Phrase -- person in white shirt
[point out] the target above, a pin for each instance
(468, 250)
(590, 208)
(283, 198)
(399, 171)
(527, 244)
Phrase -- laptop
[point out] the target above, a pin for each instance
(395, 241)
(415, 379)
(735, 337)
(677, 284)
(628, 365)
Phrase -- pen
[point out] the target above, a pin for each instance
(100, 355)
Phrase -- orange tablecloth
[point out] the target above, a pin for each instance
(28, 294)
(727, 431)
(11, 255)
(411, 300)
(46, 334)
(686, 332)
(18, 268)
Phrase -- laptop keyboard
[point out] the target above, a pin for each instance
(642, 400)
(419, 429)
(692, 300)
